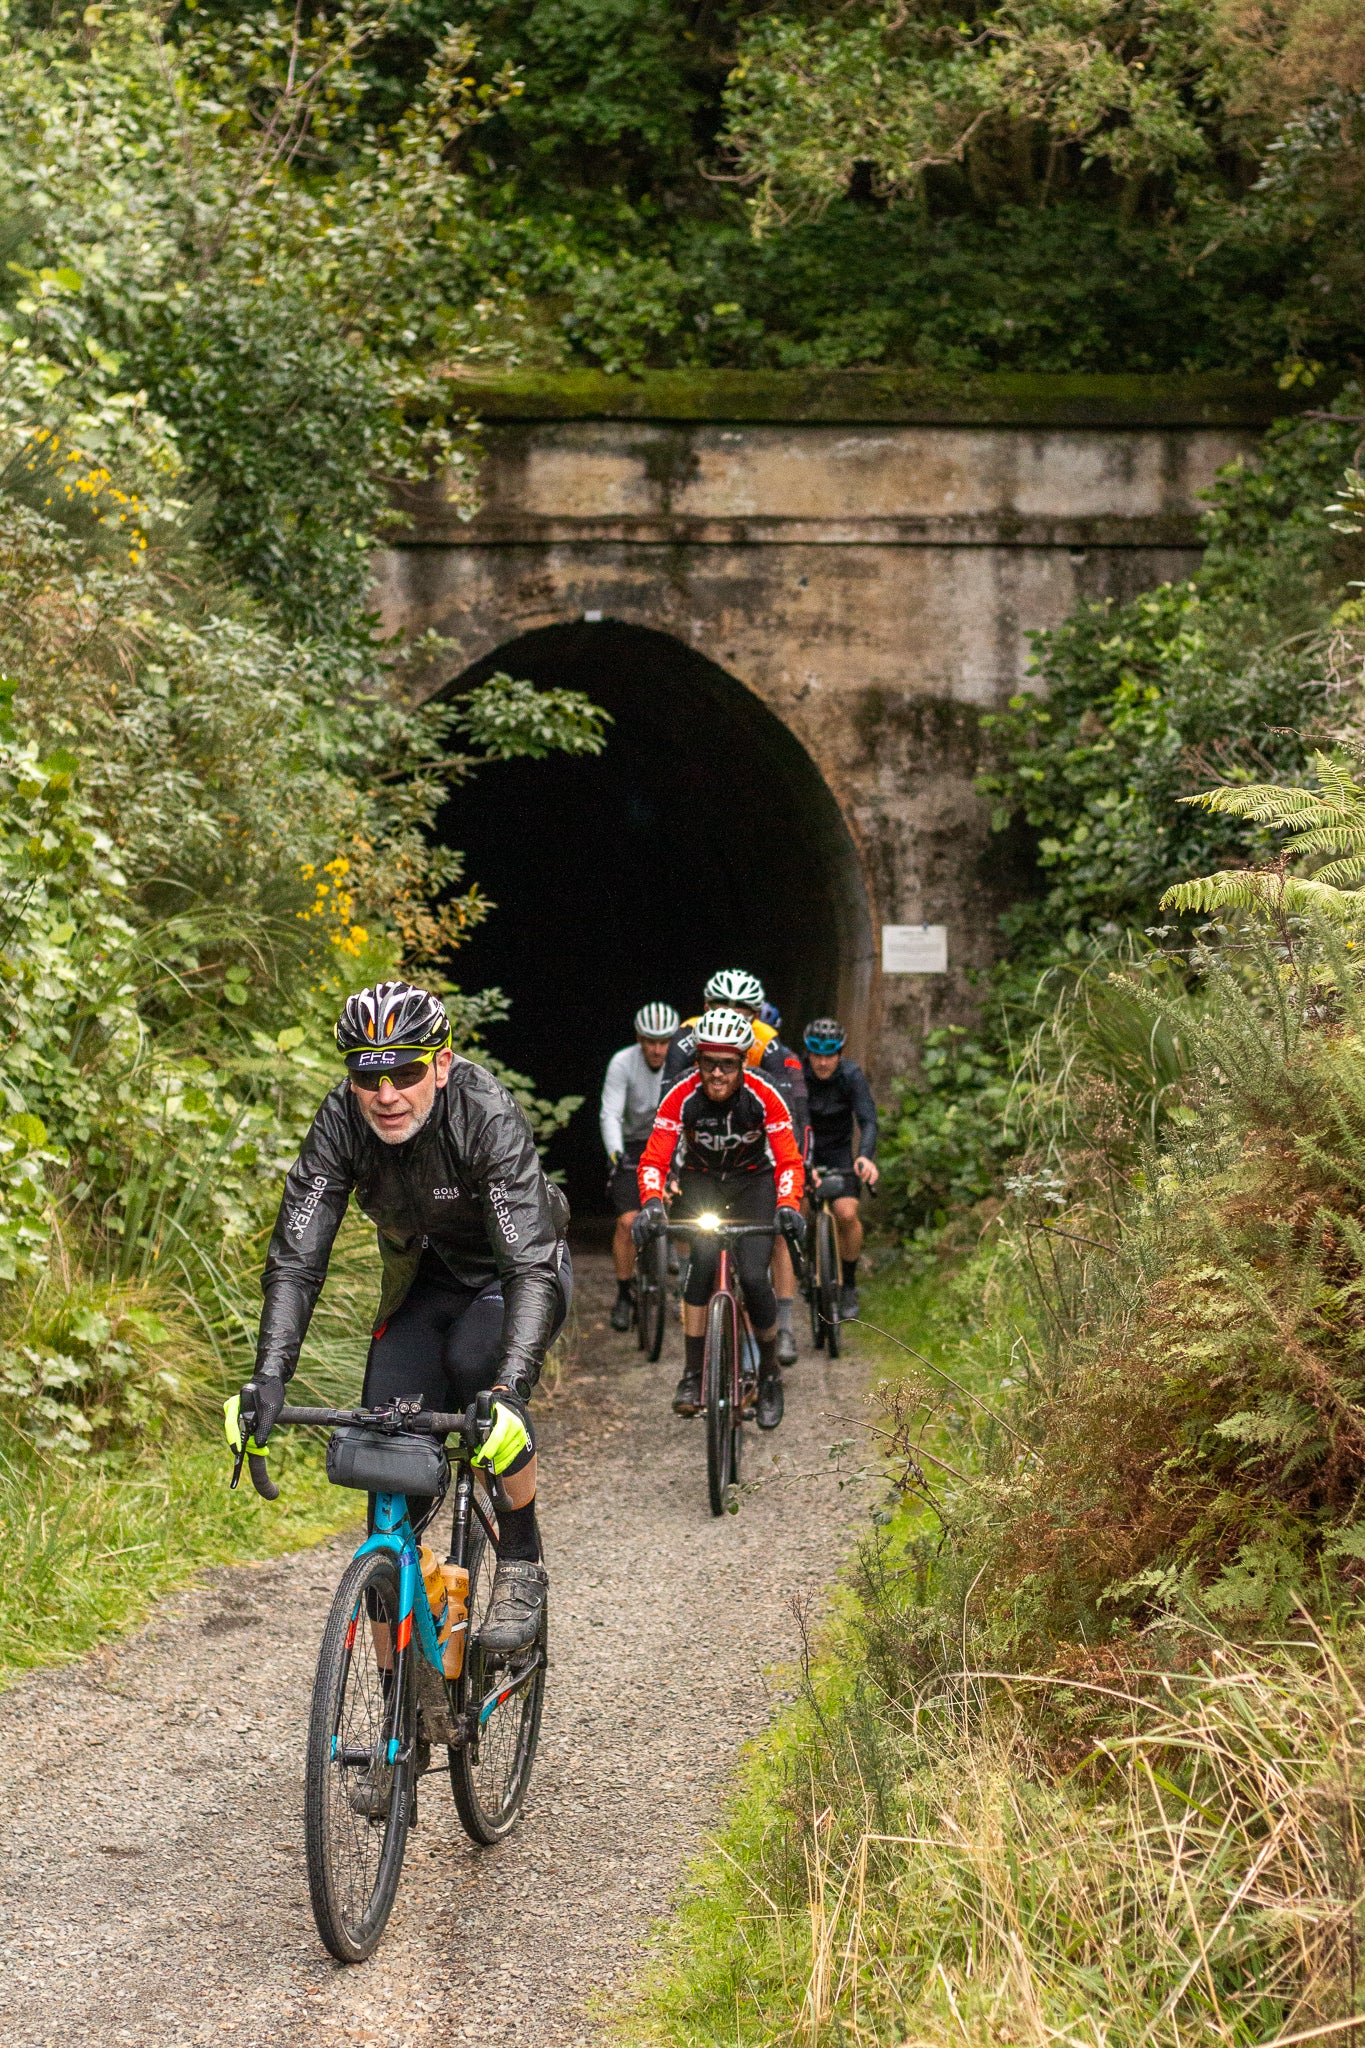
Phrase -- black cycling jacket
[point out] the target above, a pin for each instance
(469, 1184)
(834, 1104)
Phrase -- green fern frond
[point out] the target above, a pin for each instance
(1254, 889)
(1266, 803)
(1342, 873)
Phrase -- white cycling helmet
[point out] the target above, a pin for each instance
(733, 985)
(656, 1020)
(724, 1028)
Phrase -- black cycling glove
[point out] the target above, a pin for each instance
(649, 1222)
(262, 1399)
(792, 1224)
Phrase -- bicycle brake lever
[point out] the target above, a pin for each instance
(238, 1460)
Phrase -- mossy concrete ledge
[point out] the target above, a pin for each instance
(1000, 398)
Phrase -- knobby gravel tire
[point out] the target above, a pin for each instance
(722, 1412)
(489, 1774)
(354, 1863)
(827, 1290)
(651, 1296)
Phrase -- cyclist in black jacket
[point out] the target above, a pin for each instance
(840, 1103)
(476, 1272)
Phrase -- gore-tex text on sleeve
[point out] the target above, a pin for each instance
(316, 1191)
(504, 1168)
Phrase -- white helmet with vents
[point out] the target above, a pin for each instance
(734, 985)
(723, 1029)
(656, 1020)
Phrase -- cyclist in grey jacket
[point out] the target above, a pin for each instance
(630, 1096)
(476, 1277)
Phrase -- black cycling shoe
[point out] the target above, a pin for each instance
(622, 1310)
(770, 1401)
(687, 1395)
(786, 1346)
(518, 1601)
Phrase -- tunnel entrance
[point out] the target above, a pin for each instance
(703, 836)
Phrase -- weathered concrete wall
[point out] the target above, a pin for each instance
(873, 581)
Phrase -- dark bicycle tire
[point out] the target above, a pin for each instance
(490, 1771)
(827, 1290)
(812, 1292)
(354, 1863)
(722, 1419)
(651, 1293)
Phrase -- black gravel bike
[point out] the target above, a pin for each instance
(823, 1277)
(399, 1677)
(729, 1373)
(651, 1296)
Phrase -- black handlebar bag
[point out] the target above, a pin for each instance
(378, 1463)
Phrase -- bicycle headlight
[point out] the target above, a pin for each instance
(708, 1222)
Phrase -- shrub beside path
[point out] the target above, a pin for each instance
(153, 1888)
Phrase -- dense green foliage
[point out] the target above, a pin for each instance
(215, 798)
(1028, 183)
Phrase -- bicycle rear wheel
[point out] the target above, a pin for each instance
(651, 1296)
(357, 1803)
(722, 1405)
(827, 1288)
(500, 1700)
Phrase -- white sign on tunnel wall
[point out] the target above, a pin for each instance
(914, 949)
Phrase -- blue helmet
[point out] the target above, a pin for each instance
(825, 1035)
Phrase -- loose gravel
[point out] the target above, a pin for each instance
(153, 1888)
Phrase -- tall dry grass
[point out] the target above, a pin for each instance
(1197, 1878)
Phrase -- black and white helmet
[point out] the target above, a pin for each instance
(734, 985)
(656, 1020)
(725, 1028)
(390, 1024)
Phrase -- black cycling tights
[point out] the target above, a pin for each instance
(748, 1198)
(441, 1346)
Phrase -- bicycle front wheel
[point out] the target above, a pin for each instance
(651, 1293)
(827, 1289)
(722, 1406)
(357, 1800)
(499, 1700)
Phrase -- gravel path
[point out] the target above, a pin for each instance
(157, 1893)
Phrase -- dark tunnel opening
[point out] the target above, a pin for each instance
(703, 836)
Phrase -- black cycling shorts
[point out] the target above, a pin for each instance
(623, 1185)
(747, 1198)
(442, 1343)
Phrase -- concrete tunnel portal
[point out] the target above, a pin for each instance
(702, 836)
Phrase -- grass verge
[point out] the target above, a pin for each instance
(1163, 1850)
(91, 1542)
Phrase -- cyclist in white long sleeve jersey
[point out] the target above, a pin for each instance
(630, 1096)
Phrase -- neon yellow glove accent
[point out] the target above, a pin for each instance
(232, 1429)
(506, 1441)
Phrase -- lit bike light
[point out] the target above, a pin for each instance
(708, 1222)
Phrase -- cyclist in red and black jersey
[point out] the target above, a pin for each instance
(739, 1160)
(734, 988)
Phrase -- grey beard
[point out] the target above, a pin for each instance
(408, 1135)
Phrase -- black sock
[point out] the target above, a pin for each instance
(694, 1349)
(850, 1267)
(768, 1367)
(623, 1289)
(518, 1536)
